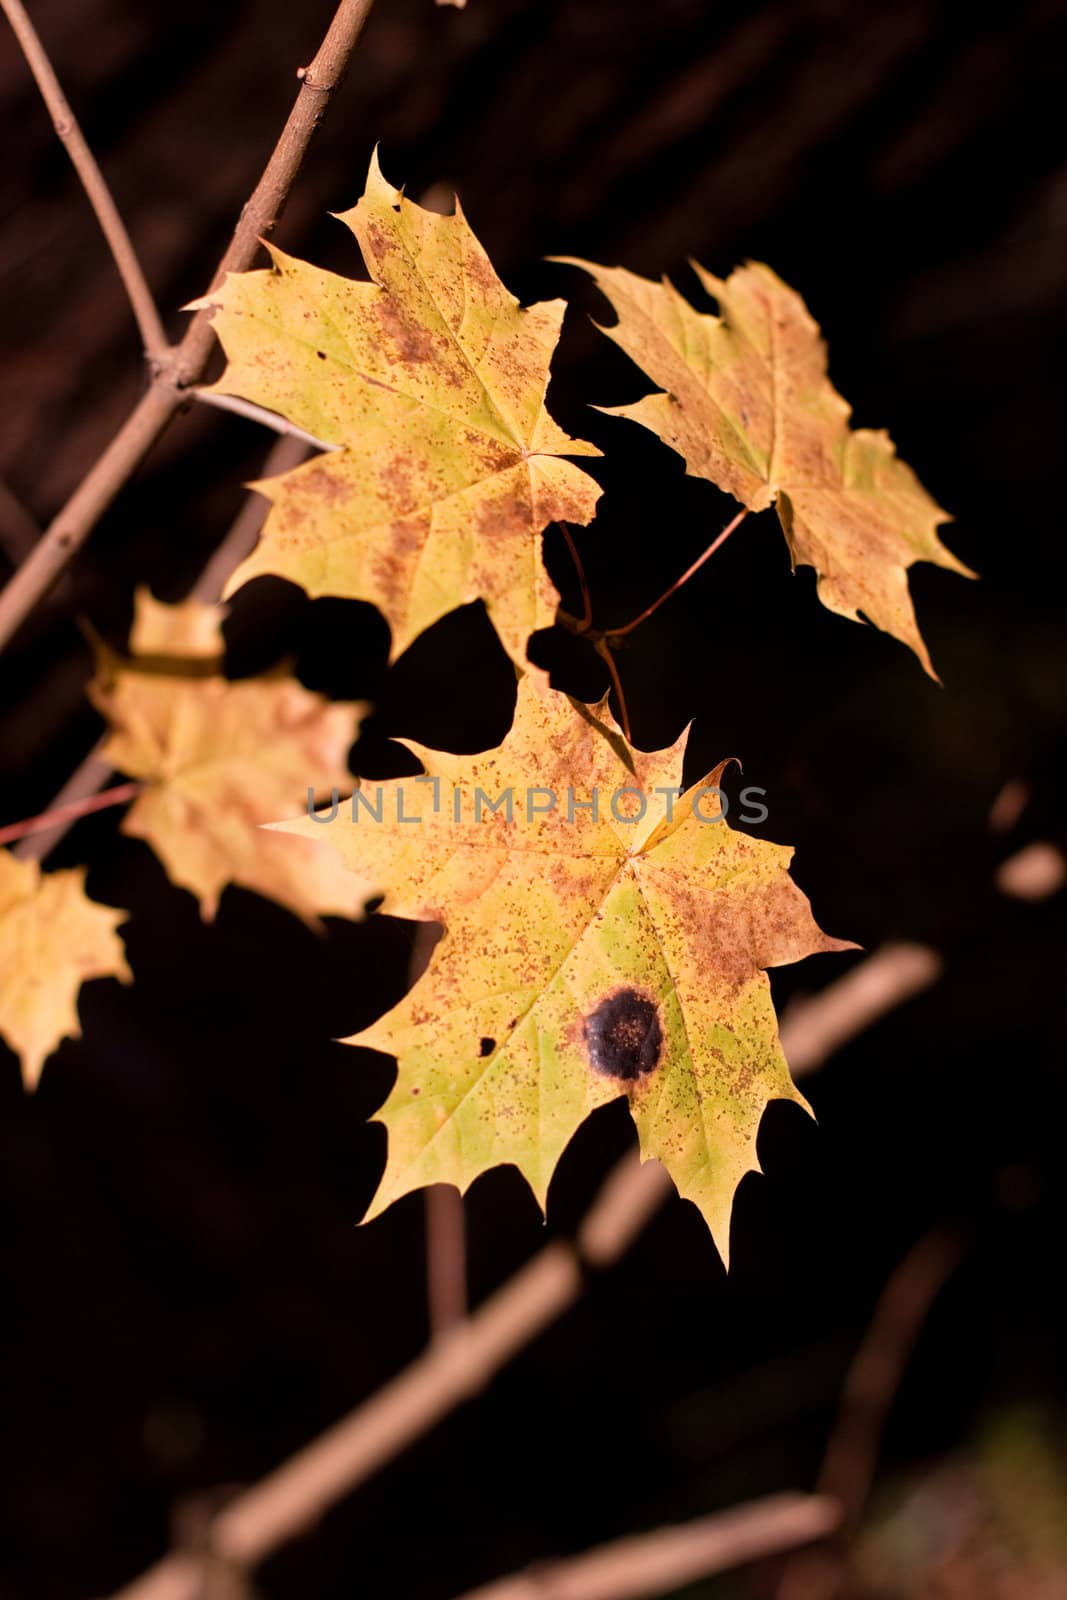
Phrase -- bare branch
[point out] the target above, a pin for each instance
(446, 1257)
(68, 531)
(658, 1563)
(453, 1369)
(460, 1363)
(814, 1026)
(261, 214)
(92, 180)
(185, 366)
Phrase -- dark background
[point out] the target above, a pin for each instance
(189, 1295)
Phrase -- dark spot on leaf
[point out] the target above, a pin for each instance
(321, 354)
(486, 1047)
(623, 1035)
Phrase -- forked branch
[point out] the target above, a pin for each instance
(182, 367)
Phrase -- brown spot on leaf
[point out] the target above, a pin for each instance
(411, 343)
(504, 517)
(393, 564)
(479, 271)
(624, 1036)
(324, 485)
(378, 242)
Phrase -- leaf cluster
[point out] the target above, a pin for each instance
(615, 941)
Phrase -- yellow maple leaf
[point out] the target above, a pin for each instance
(431, 382)
(220, 758)
(747, 402)
(589, 953)
(53, 938)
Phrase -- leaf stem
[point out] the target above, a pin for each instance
(586, 621)
(603, 650)
(260, 414)
(70, 813)
(716, 544)
(92, 180)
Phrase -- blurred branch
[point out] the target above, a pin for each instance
(453, 1369)
(19, 528)
(463, 1360)
(183, 366)
(287, 453)
(93, 181)
(446, 1257)
(871, 1386)
(1035, 872)
(814, 1026)
(658, 1563)
(444, 1217)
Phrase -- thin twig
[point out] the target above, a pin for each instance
(260, 414)
(66, 814)
(260, 215)
(661, 1562)
(87, 779)
(92, 180)
(716, 544)
(586, 620)
(874, 1377)
(180, 369)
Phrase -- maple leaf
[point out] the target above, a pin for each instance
(587, 955)
(749, 405)
(430, 381)
(219, 758)
(53, 938)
